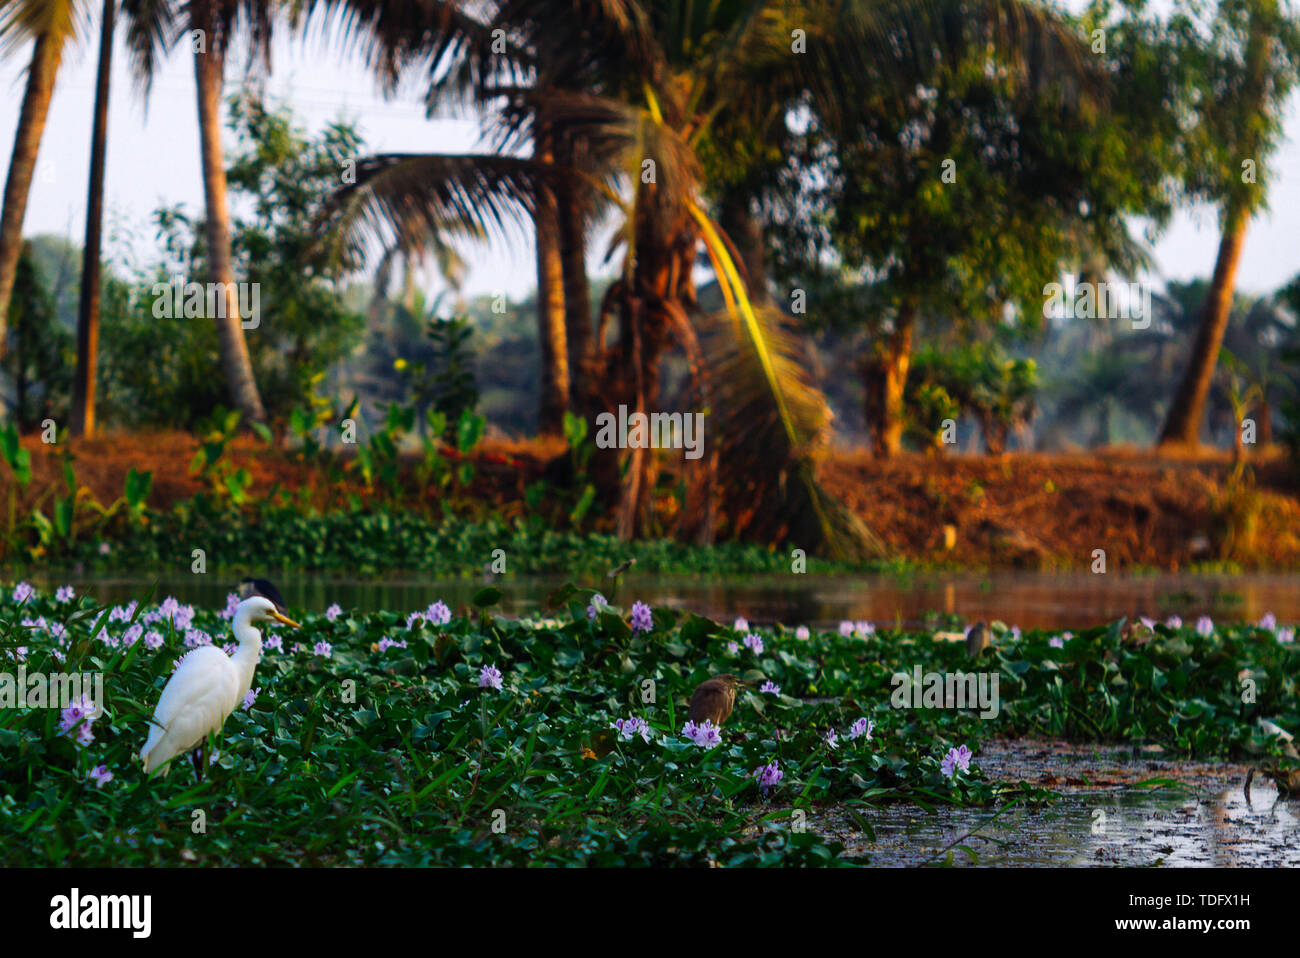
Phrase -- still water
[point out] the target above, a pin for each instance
(1026, 599)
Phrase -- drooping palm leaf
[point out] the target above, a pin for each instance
(400, 199)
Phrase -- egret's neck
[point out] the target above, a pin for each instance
(249, 652)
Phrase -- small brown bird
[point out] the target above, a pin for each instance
(978, 639)
(714, 699)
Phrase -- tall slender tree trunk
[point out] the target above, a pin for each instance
(41, 73)
(888, 381)
(1183, 423)
(577, 293)
(83, 383)
(551, 333)
(209, 68)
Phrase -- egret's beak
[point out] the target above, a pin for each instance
(284, 619)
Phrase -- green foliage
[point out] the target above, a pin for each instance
(40, 352)
(979, 380)
(160, 370)
(412, 772)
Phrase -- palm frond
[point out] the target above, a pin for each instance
(403, 199)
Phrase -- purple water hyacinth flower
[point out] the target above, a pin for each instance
(1174, 622)
(770, 687)
(100, 775)
(802, 632)
(250, 697)
(64, 593)
(133, 634)
(122, 613)
(741, 625)
(628, 728)
(1148, 622)
(387, 643)
(273, 642)
(832, 739)
(846, 628)
(78, 717)
(864, 628)
(863, 726)
(196, 637)
(1286, 635)
(324, 649)
(438, 613)
(642, 619)
(20, 653)
(754, 643)
(232, 604)
(705, 735)
(230, 648)
(956, 759)
(733, 648)
(1015, 633)
(22, 592)
(1204, 626)
(489, 677)
(153, 639)
(598, 605)
(58, 630)
(1057, 641)
(180, 616)
(414, 620)
(333, 612)
(1268, 621)
(768, 775)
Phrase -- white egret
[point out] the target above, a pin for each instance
(206, 687)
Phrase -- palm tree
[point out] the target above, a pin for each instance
(648, 90)
(211, 26)
(1238, 119)
(50, 25)
(83, 382)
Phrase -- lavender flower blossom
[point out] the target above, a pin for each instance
(957, 758)
(642, 618)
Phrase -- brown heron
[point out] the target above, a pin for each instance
(715, 698)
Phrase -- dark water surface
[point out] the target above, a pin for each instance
(1026, 599)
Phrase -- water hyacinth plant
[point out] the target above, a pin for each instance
(417, 762)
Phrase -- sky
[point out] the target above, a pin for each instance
(153, 159)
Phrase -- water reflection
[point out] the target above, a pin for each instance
(1026, 599)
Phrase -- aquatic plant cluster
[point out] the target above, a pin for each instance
(442, 738)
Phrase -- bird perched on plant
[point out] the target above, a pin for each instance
(207, 686)
(977, 640)
(715, 698)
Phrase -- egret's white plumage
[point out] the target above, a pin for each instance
(207, 686)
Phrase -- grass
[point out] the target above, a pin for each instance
(398, 757)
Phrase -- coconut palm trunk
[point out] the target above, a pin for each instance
(577, 293)
(208, 74)
(551, 334)
(1183, 423)
(83, 384)
(41, 73)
